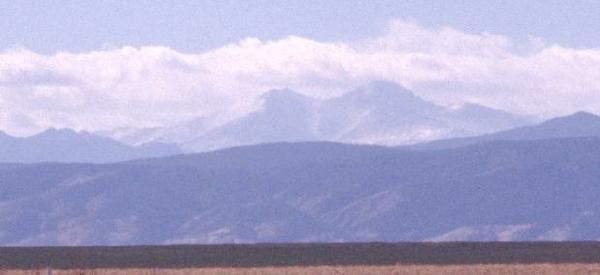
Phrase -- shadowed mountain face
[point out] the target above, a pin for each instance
(381, 113)
(69, 146)
(580, 124)
(502, 190)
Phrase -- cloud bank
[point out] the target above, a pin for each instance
(158, 86)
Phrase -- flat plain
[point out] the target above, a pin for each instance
(308, 258)
(488, 269)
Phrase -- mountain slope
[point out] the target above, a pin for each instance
(580, 124)
(66, 145)
(380, 112)
(286, 116)
(502, 190)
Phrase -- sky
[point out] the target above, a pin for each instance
(196, 26)
(98, 65)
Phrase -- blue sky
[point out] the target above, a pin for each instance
(195, 26)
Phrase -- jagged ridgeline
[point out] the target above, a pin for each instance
(382, 113)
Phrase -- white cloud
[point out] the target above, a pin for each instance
(153, 86)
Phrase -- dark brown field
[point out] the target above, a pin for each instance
(546, 269)
(298, 255)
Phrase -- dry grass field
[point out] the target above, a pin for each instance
(491, 269)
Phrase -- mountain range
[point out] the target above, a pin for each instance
(66, 145)
(382, 113)
(540, 183)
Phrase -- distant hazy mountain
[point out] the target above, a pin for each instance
(179, 133)
(66, 145)
(286, 116)
(133, 136)
(381, 113)
(385, 113)
(501, 190)
(580, 124)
